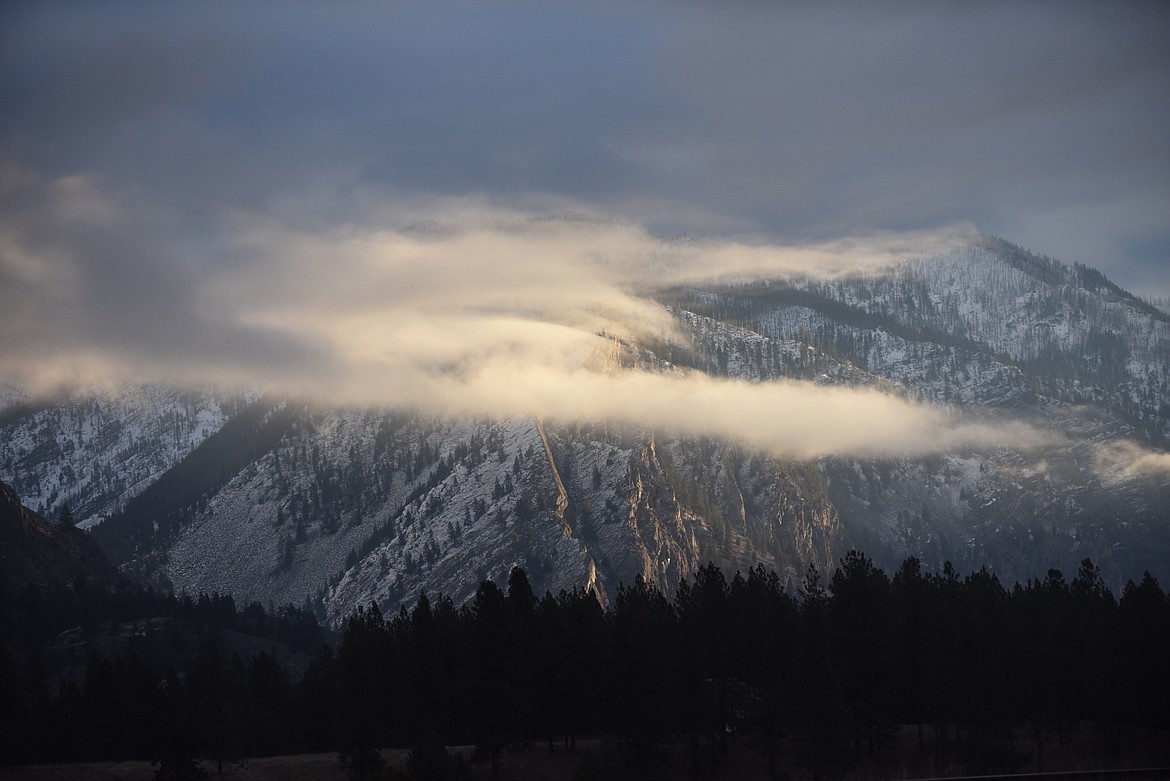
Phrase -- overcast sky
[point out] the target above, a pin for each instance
(1045, 123)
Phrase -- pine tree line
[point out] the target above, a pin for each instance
(819, 680)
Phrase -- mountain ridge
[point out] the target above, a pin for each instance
(37, 554)
(351, 504)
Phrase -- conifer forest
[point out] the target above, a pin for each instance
(983, 678)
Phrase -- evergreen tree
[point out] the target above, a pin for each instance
(362, 694)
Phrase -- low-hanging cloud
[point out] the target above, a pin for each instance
(1121, 460)
(478, 311)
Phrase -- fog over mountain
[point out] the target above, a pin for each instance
(497, 314)
(955, 398)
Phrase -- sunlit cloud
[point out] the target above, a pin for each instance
(475, 311)
(786, 418)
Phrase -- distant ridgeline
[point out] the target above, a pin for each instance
(819, 682)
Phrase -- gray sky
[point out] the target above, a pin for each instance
(1045, 123)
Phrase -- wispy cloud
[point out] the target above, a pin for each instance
(477, 311)
(1121, 460)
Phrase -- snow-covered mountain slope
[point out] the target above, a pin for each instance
(979, 322)
(368, 504)
(95, 450)
(279, 501)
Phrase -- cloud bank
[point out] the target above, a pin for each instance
(479, 311)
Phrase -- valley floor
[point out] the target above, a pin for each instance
(744, 761)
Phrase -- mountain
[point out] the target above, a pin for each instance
(37, 554)
(95, 450)
(275, 499)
